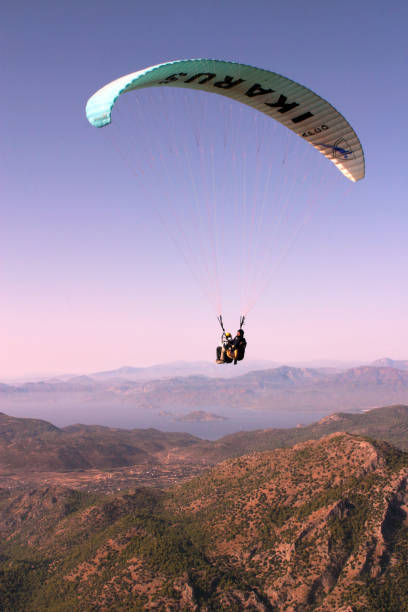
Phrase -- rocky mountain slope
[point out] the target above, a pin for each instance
(321, 526)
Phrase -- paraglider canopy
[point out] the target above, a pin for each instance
(292, 104)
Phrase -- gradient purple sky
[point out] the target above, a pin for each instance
(88, 282)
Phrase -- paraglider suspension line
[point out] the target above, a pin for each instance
(221, 323)
(241, 322)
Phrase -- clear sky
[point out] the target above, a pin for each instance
(89, 277)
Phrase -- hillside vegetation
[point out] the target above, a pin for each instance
(320, 526)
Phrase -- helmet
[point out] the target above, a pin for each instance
(228, 335)
(240, 331)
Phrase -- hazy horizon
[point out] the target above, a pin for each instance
(249, 364)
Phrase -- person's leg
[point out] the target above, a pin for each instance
(228, 356)
(220, 354)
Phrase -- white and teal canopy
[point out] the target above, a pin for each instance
(292, 104)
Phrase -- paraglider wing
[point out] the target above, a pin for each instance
(295, 106)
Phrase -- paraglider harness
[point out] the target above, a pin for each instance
(232, 353)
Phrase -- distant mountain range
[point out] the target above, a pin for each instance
(213, 370)
(261, 398)
(206, 368)
(176, 369)
(284, 387)
(385, 362)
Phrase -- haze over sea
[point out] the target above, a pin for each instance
(63, 413)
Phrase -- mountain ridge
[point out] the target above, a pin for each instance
(35, 445)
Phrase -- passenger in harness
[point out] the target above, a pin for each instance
(225, 352)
